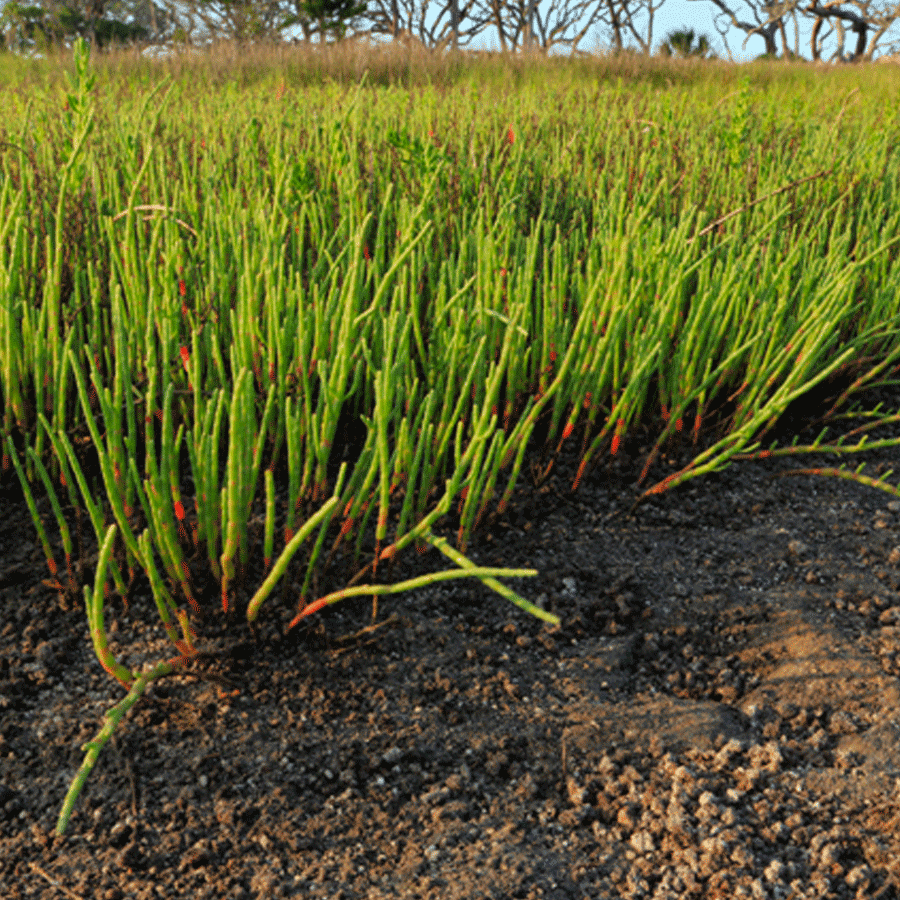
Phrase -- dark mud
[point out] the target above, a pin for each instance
(718, 716)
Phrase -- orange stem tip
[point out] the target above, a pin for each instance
(646, 468)
(663, 485)
(313, 607)
(579, 475)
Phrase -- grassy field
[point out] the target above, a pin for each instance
(262, 309)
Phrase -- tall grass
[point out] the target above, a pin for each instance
(300, 321)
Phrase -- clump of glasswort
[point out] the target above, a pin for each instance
(245, 340)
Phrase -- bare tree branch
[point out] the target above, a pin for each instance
(767, 15)
(434, 25)
(199, 21)
(868, 19)
(529, 24)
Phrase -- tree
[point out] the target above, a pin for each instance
(445, 23)
(768, 22)
(42, 25)
(869, 20)
(153, 18)
(324, 17)
(201, 21)
(681, 44)
(624, 18)
(526, 24)
(27, 27)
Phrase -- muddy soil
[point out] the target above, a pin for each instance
(718, 716)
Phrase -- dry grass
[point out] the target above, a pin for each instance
(405, 64)
(400, 63)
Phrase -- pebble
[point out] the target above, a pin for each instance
(642, 841)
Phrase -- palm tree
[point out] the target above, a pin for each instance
(681, 44)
